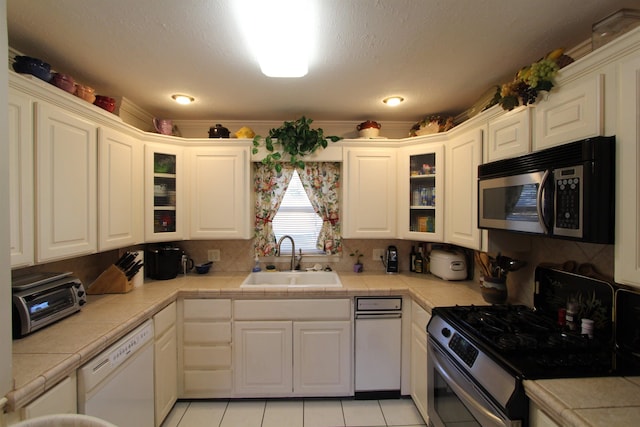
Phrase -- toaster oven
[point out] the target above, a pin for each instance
(40, 299)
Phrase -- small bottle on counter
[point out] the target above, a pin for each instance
(256, 266)
(419, 262)
(412, 259)
(572, 315)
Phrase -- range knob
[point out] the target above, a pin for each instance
(446, 332)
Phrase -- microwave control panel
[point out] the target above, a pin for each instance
(568, 201)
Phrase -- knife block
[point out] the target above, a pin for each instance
(111, 281)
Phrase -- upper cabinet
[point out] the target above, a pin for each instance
(164, 195)
(66, 187)
(627, 234)
(571, 113)
(369, 193)
(120, 189)
(509, 135)
(421, 192)
(219, 184)
(20, 178)
(462, 156)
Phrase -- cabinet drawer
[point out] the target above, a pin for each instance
(164, 320)
(206, 309)
(293, 309)
(207, 332)
(207, 357)
(202, 382)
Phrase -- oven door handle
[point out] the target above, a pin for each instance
(460, 392)
(540, 201)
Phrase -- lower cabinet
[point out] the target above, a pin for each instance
(61, 399)
(537, 418)
(290, 357)
(419, 320)
(204, 348)
(165, 362)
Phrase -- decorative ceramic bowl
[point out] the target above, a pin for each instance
(369, 132)
(33, 66)
(203, 268)
(85, 92)
(64, 82)
(105, 103)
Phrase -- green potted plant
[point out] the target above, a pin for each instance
(295, 139)
(357, 267)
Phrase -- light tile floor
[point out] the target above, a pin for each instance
(294, 413)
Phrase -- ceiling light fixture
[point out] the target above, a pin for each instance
(392, 101)
(183, 99)
(280, 34)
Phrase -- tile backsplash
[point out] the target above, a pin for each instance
(237, 256)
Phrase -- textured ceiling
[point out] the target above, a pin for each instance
(440, 55)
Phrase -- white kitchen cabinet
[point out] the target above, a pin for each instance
(421, 192)
(164, 197)
(61, 399)
(369, 197)
(571, 113)
(509, 135)
(219, 195)
(627, 231)
(204, 354)
(21, 215)
(165, 362)
(285, 348)
(120, 190)
(419, 320)
(537, 418)
(263, 358)
(66, 184)
(463, 154)
(322, 358)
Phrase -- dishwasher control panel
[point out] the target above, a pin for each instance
(378, 303)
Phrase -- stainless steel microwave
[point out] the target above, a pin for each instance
(565, 192)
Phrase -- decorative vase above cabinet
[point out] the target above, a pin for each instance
(420, 196)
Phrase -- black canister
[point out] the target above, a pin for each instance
(163, 263)
(218, 131)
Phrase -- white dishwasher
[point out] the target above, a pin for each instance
(117, 386)
(378, 342)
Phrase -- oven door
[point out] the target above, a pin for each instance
(516, 203)
(454, 399)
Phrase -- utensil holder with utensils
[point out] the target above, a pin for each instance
(118, 278)
(111, 281)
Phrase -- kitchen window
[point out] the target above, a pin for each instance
(281, 208)
(297, 218)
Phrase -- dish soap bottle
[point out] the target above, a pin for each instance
(256, 266)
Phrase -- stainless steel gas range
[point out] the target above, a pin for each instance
(478, 356)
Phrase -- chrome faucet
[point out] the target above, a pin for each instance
(293, 249)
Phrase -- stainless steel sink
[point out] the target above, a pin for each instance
(292, 279)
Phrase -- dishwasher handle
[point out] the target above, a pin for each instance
(378, 316)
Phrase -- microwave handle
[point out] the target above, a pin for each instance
(540, 201)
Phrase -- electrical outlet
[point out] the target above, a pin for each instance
(213, 254)
(377, 254)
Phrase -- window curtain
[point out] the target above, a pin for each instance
(321, 182)
(269, 187)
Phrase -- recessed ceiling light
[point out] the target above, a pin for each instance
(183, 99)
(392, 101)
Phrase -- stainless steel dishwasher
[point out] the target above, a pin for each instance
(378, 342)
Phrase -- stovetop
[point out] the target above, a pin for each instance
(529, 344)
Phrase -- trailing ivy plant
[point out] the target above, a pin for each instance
(295, 139)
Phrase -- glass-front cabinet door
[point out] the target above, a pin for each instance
(421, 191)
(163, 193)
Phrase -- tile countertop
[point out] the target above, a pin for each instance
(45, 357)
